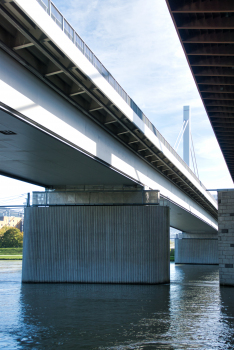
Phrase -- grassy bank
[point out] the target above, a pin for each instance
(16, 254)
(11, 253)
(172, 255)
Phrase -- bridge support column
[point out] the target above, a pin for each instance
(196, 249)
(97, 244)
(226, 236)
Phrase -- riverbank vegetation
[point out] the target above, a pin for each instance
(11, 253)
(11, 243)
(172, 254)
(11, 237)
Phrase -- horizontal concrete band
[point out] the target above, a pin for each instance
(96, 244)
(115, 197)
(196, 251)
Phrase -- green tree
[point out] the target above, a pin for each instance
(11, 238)
(2, 231)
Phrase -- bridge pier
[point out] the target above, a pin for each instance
(226, 236)
(96, 244)
(196, 249)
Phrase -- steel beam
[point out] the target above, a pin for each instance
(209, 49)
(19, 47)
(96, 109)
(204, 21)
(77, 93)
(213, 71)
(216, 89)
(53, 73)
(216, 61)
(221, 110)
(201, 6)
(208, 36)
(214, 80)
(213, 103)
(215, 96)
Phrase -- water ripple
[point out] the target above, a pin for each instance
(192, 312)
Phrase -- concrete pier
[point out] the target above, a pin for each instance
(96, 244)
(226, 236)
(196, 250)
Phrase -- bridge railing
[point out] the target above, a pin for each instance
(64, 25)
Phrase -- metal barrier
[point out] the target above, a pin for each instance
(63, 24)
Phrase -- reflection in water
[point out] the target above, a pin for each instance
(193, 312)
(195, 307)
(94, 316)
(227, 307)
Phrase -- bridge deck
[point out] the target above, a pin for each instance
(206, 32)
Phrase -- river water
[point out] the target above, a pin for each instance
(192, 312)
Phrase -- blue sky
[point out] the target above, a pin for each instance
(137, 42)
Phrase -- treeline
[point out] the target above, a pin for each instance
(11, 237)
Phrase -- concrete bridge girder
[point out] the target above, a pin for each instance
(101, 154)
(55, 144)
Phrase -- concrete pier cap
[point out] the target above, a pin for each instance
(97, 195)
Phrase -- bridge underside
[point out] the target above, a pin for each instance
(206, 32)
(31, 155)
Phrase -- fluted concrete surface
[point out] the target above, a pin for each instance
(96, 244)
(196, 251)
(226, 237)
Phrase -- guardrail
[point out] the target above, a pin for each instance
(64, 25)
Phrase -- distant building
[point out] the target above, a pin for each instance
(11, 221)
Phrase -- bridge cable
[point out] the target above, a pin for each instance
(183, 128)
(192, 161)
(194, 155)
(179, 134)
